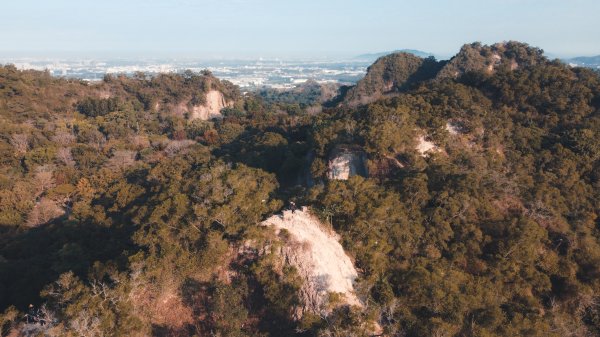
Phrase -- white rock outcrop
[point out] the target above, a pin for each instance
(426, 147)
(215, 102)
(345, 163)
(453, 128)
(319, 258)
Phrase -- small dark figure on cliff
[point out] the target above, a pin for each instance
(293, 207)
(34, 316)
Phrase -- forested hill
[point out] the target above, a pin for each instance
(392, 73)
(399, 71)
(475, 211)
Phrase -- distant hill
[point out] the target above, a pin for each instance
(585, 61)
(392, 73)
(306, 94)
(375, 56)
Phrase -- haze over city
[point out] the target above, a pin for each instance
(211, 29)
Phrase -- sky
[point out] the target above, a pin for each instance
(291, 28)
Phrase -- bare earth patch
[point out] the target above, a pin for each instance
(425, 146)
(319, 258)
(215, 102)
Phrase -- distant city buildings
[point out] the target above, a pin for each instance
(276, 74)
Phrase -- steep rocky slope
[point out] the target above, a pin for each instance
(345, 162)
(215, 102)
(316, 253)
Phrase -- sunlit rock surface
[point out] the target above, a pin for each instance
(315, 252)
(345, 162)
(215, 102)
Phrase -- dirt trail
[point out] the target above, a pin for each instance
(319, 258)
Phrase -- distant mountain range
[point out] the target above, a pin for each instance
(375, 56)
(585, 61)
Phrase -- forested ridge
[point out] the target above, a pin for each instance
(122, 216)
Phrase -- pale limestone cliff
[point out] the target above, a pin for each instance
(215, 102)
(345, 163)
(315, 252)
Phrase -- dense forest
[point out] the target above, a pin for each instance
(122, 216)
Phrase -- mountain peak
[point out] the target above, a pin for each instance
(475, 56)
(392, 73)
(397, 72)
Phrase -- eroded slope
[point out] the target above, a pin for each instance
(319, 259)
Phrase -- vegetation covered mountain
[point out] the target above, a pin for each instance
(476, 57)
(391, 73)
(398, 72)
(123, 217)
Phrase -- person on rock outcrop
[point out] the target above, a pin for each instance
(293, 207)
(35, 316)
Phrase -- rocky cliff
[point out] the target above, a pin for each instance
(345, 162)
(315, 252)
(215, 102)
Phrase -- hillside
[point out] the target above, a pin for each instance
(389, 74)
(308, 96)
(476, 57)
(457, 198)
(397, 72)
(320, 260)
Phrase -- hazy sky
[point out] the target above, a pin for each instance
(233, 28)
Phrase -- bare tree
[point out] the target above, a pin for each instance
(20, 142)
(140, 142)
(176, 146)
(121, 159)
(313, 110)
(44, 211)
(64, 154)
(86, 324)
(44, 179)
(64, 138)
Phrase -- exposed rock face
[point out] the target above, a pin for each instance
(454, 128)
(426, 147)
(319, 259)
(215, 102)
(346, 162)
